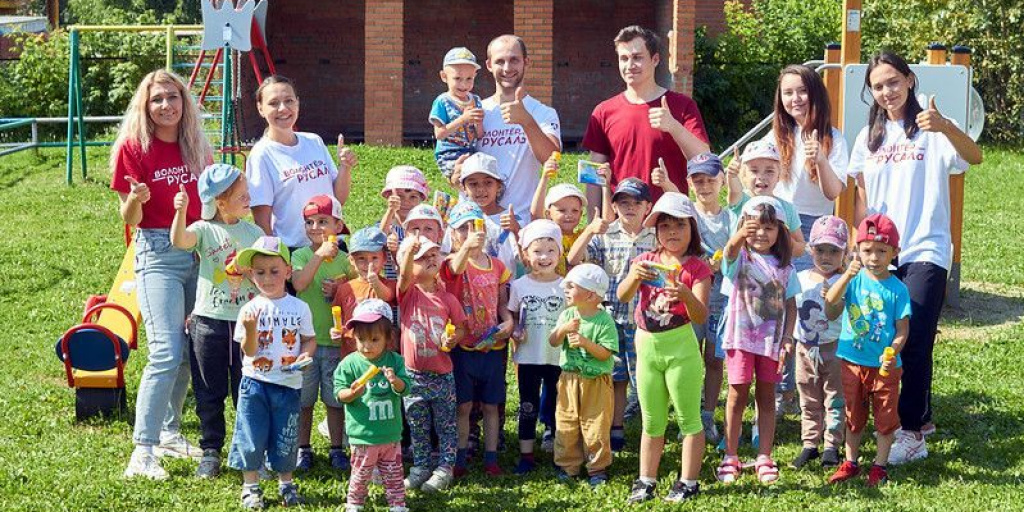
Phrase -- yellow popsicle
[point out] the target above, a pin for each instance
(371, 372)
(333, 240)
(336, 313)
(449, 330)
(888, 354)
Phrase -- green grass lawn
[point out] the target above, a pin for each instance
(61, 244)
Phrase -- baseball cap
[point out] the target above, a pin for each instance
(460, 55)
(369, 311)
(480, 163)
(540, 228)
(425, 245)
(674, 204)
(761, 149)
(405, 176)
(268, 245)
(368, 239)
(424, 212)
(878, 228)
(751, 206)
(322, 204)
(562, 191)
(214, 181)
(705, 163)
(633, 187)
(588, 276)
(831, 230)
(464, 212)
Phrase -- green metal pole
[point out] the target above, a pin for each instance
(225, 95)
(82, 137)
(72, 71)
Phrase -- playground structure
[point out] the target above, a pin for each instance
(95, 351)
(97, 372)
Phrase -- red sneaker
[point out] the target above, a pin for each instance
(846, 471)
(493, 470)
(877, 475)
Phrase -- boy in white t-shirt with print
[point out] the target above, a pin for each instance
(275, 330)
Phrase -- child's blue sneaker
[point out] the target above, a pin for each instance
(618, 444)
(561, 475)
(305, 460)
(598, 479)
(525, 466)
(339, 460)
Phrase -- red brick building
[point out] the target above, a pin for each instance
(368, 68)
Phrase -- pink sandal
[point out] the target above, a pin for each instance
(729, 470)
(767, 471)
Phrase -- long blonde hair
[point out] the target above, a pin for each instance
(137, 125)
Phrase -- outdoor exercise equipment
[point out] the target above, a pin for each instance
(94, 353)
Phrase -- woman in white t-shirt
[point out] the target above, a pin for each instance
(813, 153)
(286, 168)
(902, 161)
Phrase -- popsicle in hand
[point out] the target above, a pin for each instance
(370, 373)
(888, 354)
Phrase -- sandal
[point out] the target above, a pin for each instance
(729, 469)
(767, 471)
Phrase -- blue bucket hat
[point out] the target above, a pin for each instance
(368, 239)
(214, 181)
(464, 212)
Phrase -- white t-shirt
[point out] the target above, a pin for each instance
(801, 191)
(812, 325)
(507, 143)
(286, 177)
(280, 326)
(538, 305)
(908, 180)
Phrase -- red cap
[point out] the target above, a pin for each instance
(878, 228)
(323, 205)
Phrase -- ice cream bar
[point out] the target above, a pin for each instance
(478, 224)
(449, 331)
(666, 273)
(557, 155)
(888, 354)
(717, 256)
(333, 240)
(371, 372)
(336, 313)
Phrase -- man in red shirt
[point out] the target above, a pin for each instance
(645, 123)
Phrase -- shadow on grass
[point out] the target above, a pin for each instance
(986, 306)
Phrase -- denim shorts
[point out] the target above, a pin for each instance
(319, 377)
(708, 333)
(625, 359)
(479, 376)
(267, 422)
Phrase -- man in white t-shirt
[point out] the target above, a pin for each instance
(519, 131)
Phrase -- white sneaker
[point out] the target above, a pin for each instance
(907, 448)
(439, 481)
(547, 443)
(353, 508)
(417, 476)
(175, 445)
(322, 429)
(145, 465)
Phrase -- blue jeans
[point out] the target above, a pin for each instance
(803, 261)
(165, 278)
(267, 422)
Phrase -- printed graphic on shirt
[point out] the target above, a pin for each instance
(309, 172)
(174, 176)
(813, 321)
(867, 319)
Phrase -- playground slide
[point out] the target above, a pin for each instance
(122, 293)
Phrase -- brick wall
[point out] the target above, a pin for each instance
(383, 72)
(586, 70)
(711, 14)
(432, 27)
(320, 47)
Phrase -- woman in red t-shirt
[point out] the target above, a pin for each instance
(160, 149)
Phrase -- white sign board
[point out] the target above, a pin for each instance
(951, 86)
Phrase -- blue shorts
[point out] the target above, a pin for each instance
(708, 334)
(266, 422)
(625, 360)
(479, 376)
(318, 378)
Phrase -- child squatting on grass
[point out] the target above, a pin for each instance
(275, 330)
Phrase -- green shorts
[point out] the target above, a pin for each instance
(669, 369)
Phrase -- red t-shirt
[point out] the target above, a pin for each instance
(164, 171)
(655, 312)
(622, 131)
(477, 289)
(423, 317)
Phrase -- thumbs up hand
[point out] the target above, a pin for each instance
(597, 226)
(930, 120)
(813, 156)
(514, 112)
(734, 165)
(181, 199)
(661, 118)
(139, 192)
(509, 222)
(660, 179)
(347, 159)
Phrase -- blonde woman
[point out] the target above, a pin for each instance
(159, 150)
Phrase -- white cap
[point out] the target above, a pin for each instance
(761, 149)
(562, 191)
(425, 245)
(750, 207)
(480, 163)
(369, 311)
(675, 204)
(588, 276)
(540, 228)
(424, 211)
